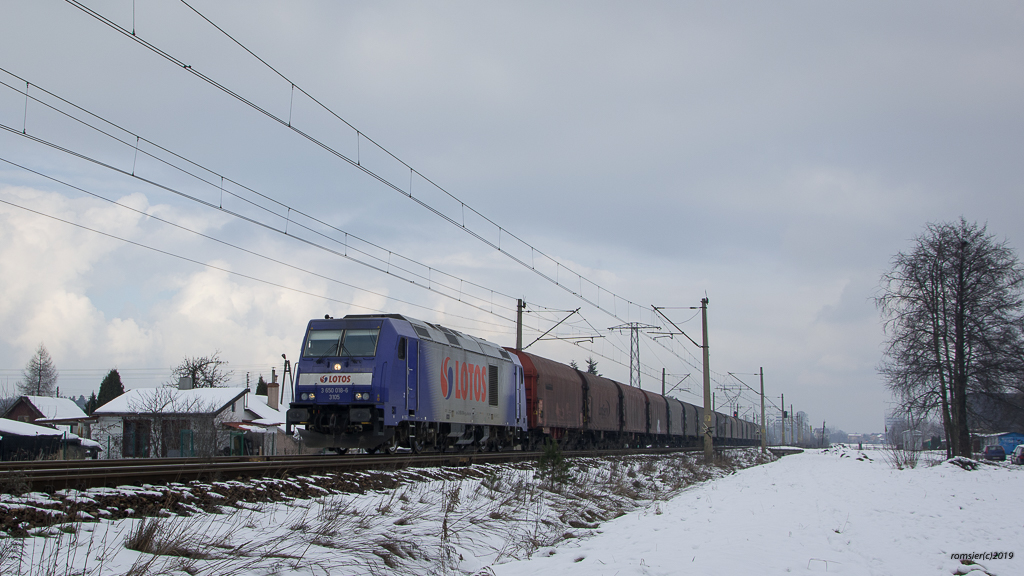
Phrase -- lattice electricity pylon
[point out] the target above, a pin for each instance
(634, 348)
(732, 395)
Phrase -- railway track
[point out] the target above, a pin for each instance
(81, 474)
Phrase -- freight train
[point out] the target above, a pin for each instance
(385, 382)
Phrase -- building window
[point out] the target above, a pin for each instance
(176, 439)
(135, 441)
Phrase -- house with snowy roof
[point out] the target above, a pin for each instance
(168, 422)
(61, 413)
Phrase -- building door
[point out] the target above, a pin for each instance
(412, 375)
(518, 383)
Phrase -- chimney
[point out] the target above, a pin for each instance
(272, 394)
(185, 383)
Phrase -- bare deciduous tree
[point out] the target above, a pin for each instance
(952, 311)
(205, 371)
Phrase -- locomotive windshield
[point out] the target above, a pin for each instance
(323, 343)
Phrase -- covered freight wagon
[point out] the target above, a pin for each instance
(633, 409)
(676, 422)
(601, 407)
(657, 414)
(554, 394)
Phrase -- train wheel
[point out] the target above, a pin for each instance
(390, 446)
(340, 451)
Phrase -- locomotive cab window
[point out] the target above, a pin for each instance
(322, 343)
(360, 342)
(341, 343)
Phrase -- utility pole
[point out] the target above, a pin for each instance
(662, 381)
(823, 443)
(519, 324)
(792, 424)
(764, 429)
(783, 410)
(287, 376)
(709, 450)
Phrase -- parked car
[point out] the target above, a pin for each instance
(995, 452)
(1018, 454)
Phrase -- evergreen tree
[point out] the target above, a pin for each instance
(110, 388)
(573, 365)
(592, 366)
(40, 375)
(91, 404)
(261, 386)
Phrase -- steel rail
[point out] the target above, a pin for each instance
(81, 474)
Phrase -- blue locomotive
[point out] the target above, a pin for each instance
(380, 382)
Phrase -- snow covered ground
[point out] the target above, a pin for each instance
(839, 511)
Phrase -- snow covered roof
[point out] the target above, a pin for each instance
(265, 415)
(54, 409)
(168, 400)
(8, 426)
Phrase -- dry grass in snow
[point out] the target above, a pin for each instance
(433, 521)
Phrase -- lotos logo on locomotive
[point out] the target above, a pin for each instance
(467, 381)
(447, 379)
(336, 379)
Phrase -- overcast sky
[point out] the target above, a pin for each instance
(774, 157)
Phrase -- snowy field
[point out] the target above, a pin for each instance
(838, 511)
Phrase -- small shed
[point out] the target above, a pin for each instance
(262, 432)
(25, 441)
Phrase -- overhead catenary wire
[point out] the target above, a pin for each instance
(387, 267)
(186, 258)
(242, 249)
(191, 260)
(360, 166)
(648, 371)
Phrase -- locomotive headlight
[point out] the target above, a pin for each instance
(304, 396)
(311, 395)
(337, 366)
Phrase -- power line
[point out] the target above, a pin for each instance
(210, 205)
(356, 163)
(236, 247)
(187, 259)
(385, 266)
